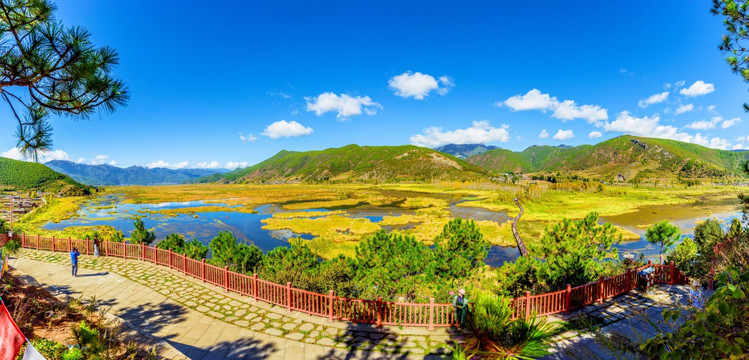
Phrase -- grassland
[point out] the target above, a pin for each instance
(329, 212)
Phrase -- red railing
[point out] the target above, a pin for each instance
(333, 307)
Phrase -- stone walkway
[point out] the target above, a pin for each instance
(205, 322)
(635, 316)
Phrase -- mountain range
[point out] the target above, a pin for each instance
(356, 163)
(623, 158)
(99, 175)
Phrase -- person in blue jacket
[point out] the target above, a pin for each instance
(74, 260)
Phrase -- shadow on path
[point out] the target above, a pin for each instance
(152, 318)
(96, 274)
(242, 348)
(368, 342)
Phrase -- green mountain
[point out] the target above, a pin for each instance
(21, 175)
(356, 163)
(619, 159)
(135, 175)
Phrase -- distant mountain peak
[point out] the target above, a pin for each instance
(464, 151)
(134, 175)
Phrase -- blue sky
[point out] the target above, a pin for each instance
(226, 85)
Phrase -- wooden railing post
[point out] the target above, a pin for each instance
(673, 274)
(568, 299)
(330, 306)
(23, 236)
(431, 314)
(142, 252)
(254, 286)
(600, 289)
(37, 241)
(226, 278)
(87, 251)
(202, 271)
(379, 310)
(184, 264)
(53, 243)
(69, 245)
(288, 296)
(170, 258)
(106, 246)
(124, 250)
(527, 305)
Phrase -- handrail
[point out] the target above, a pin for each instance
(334, 307)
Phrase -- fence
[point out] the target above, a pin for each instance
(334, 307)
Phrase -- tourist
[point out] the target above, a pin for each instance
(695, 295)
(74, 260)
(460, 303)
(96, 245)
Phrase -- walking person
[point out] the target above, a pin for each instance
(74, 260)
(96, 245)
(460, 303)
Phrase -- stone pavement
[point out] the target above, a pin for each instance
(634, 316)
(205, 322)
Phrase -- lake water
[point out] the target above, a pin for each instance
(248, 227)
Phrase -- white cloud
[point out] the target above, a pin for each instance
(739, 146)
(654, 99)
(699, 88)
(99, 160)
(80, 160)
(544, 134)
(208, 165)
(684, 108)
(44, 156)
(679, 83)
(711, 108)
(705, 124)
(112, 163)
(164, 164)
(418, 85)
(286, 129)
(247, 138)
(532, 100)
(650, 127)
(158, 164)
(564, 110)
(728, 123)
(233, 165)
(595, 134)
(480, 132)
(563, 134)
(344, 105)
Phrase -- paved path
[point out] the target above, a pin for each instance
(634, 316)
(204, 322)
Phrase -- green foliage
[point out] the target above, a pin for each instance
(391, 264)
(685, 257)
(237, 256)
(720, 331)
(574, 253)
(4, 226)
(89, 340)
(26, 175)
(492, 335)
(459, 249)
(140, 235)
(118, 236)
(663, 233)
(53, 70)
(11, 247)
(734, 44)
(295, 264)
(193, 249)
(50, 349)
